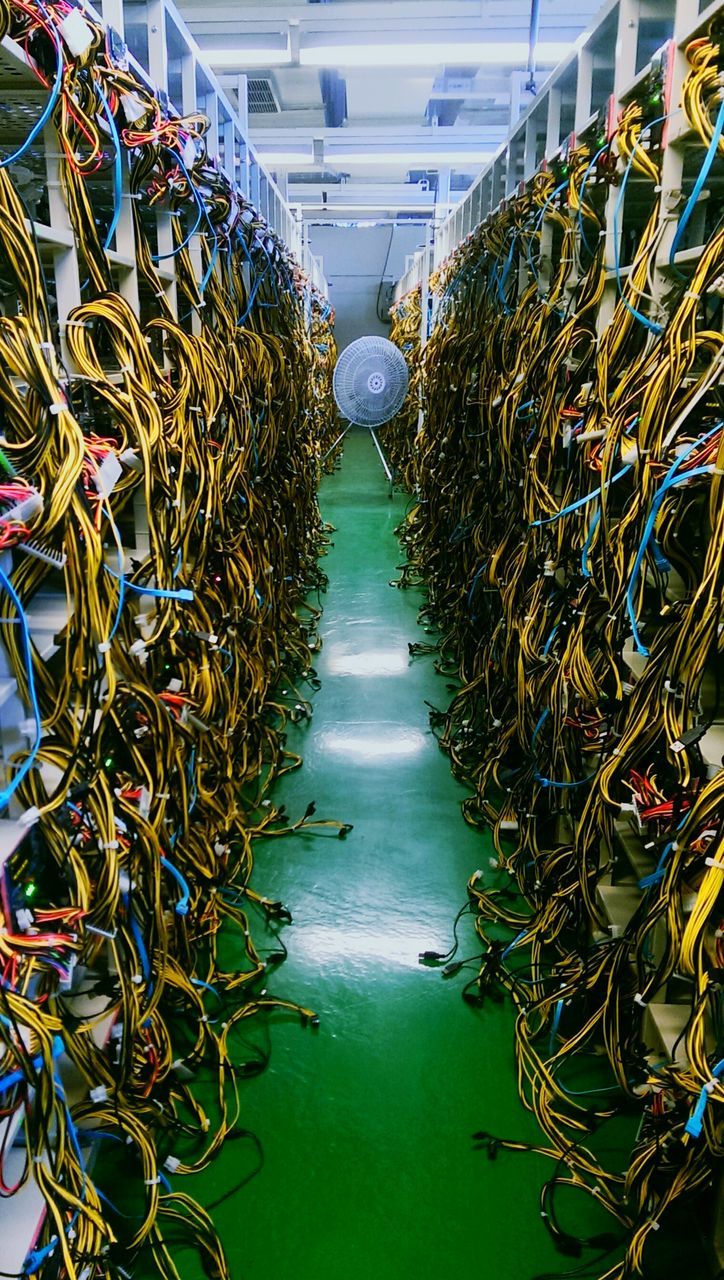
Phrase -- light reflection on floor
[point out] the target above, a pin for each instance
(371, 662)
(366, 745)
(330, 943)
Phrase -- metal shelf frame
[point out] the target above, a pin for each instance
(171, 63)
(604, 71)
(631, 42)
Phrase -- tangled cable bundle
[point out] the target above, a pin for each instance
(326, 428)
(159, 480)
(400, 433)
(568, 524)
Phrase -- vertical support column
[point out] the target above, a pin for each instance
(584, 89)
(254, 181)
(189, 104)
(126, 243)
(672, 168)
(553, 139)
(227, 132)
(553, 121)
(242, 93)
(158, 70)
(529, 151)
(625, 70)
(627, 43)
(112, 14)
(517, 102)
(427, 261)
(65, 260)
(157, 55)
(212, 110)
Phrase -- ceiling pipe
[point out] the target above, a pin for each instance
(530, 85)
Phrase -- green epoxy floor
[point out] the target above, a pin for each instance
(370, 1170)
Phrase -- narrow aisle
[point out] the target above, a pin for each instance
(366, 1123)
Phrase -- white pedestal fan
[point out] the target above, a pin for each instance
(370, 385)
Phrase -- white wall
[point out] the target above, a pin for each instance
(354, 260)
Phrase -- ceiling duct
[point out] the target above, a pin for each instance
(334, 97)
(449, 94)
(261, 97)
(310, 176)
(428, 179)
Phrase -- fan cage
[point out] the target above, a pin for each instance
(370, 381)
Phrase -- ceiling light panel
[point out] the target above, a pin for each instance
(429, 53)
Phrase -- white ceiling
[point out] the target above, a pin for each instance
(387, 107)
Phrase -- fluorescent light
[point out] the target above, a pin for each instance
(363, 207)
(407, 159)
(373, 159)
(239, 59)
(429, 54)
(286, 159)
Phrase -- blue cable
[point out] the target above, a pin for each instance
(35, 1259)
(138, 939)
(17, 1077)
(548, 782)
(549, 641)
(9, 791)
(183, 594)
(695, 1122)
(182, 906)
(554, 1027)
(595, 521)
(196, 982)
(644, 320)
(669, 481)
(158, 257)
(41, 122)
(117, 168)
(698, 185)
(646, 882)
(580, 502)
(590, 167)
(518, 938)
(473, 585)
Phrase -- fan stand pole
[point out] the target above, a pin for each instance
(338, 441)
(383, 459)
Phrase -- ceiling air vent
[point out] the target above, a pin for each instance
(261, 97)
(309, 177)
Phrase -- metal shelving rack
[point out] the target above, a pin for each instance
(633, 44)
(163, 54)
(608, 67)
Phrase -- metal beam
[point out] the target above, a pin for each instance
(328, 15)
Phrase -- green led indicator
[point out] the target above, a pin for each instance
(30, 890)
